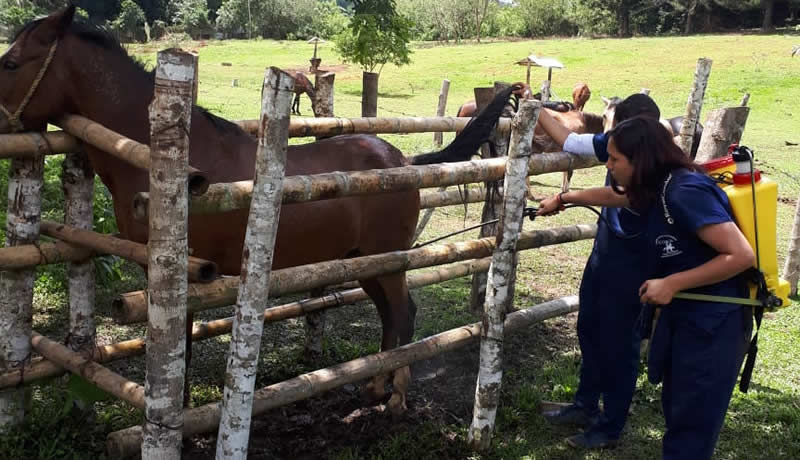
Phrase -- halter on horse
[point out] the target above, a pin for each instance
(92, 75)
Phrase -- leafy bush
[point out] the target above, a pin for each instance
(546, 17)
(129, 25)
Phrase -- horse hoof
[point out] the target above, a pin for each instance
(375, 391)
(397, 405)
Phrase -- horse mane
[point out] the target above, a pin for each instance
(98, 36)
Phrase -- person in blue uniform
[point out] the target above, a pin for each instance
(693, 245)
(609, 305)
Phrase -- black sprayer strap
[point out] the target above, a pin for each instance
(756, 277)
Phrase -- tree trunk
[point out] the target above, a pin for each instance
(25, 180)
(624, 20)
(768, 7)
(369, 94)
(440, 110)
(170, 122)
(690, 14)
(501, 278)
(77, 178)
(694, 104)
(723, 128)
(262, 228)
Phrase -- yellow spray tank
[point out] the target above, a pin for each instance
(759, 227)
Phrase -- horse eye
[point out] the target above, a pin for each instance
(10, 65)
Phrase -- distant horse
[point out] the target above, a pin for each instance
(301, 85)
(580, 95)
(673, 124)
(64, 68)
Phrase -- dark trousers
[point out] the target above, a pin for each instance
(609, 341)
(699, 361)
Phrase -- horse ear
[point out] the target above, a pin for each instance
(606, 100)
(56, 25)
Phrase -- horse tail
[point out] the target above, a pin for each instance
(475, 134)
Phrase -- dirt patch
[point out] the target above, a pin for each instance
(442, 393)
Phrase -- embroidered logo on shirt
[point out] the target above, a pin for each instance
(667, 245)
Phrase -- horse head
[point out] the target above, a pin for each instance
(580, 95)
(30, 80)
(608, 111)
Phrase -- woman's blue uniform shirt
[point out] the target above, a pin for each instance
(693, 201)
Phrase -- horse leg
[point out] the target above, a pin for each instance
(296, 104)
(397, 330)
(315, 328)
(376, 388)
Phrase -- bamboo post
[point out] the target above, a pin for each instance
(326, 127)
(369, 94)
(93, 372)
(298, 189)
(694, 104)
(31, 145)
(200, 270)
(723, 128)
(440, 110)
(31, 255)
(41, 368)
(262, 228)
(25, 178)
(502, 274)
(77, 179)
(125, 443)
(170, 122)
(478, 288)
(132, 307)
(116, 144)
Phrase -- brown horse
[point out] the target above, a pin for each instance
(54, 67)
(301, 85)
(580, 95)
(673, 125)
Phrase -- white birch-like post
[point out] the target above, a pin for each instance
(262, 228)
(546, 91)
(77, 180)
(315, 321)
(16, 286)
(170, 121)
(694, 104)
(501, 276)
(440, 109)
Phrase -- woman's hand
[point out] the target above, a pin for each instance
(550, 206)
(659, 291)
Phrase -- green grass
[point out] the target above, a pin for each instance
(764, 423)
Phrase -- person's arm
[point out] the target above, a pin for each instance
(735, 256)
(553, 128)
(598, 196)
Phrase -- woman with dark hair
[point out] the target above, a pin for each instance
(693, 245)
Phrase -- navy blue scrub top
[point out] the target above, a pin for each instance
(693, 200)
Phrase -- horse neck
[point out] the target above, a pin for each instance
(593, 122)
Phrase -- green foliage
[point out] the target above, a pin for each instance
(129, 25)
(326, 21)
(377, 35)
(590, 20)
(546, 17)
(192, 17)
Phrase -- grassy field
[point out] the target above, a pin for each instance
(762, 424)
